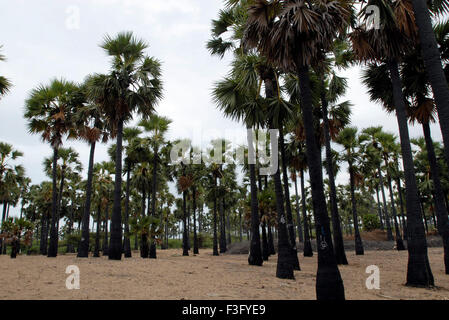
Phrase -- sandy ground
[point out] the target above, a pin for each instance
(205, 277)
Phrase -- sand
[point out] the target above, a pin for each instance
(204, 277)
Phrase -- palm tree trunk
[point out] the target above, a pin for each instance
(285, 264)
(195, 236)
(44, 234)
(419, 272)
(271, 249)
(106, 223)
(5, 205)
(379, 210)
(97, 235)
(127, 242)
(298, 215)
(144, 248)
(441, 210)
(329, 284)
(255, 253)
(83, 249)
(399, 243)
(265, 249)
(223, 247)
(185, 234)
(339, 247)
(401, 202)
(53, 246)
(288, 206)
(384, 198)
(115, 249)
(358, 239)
(61, 190)
(215, 241)
(153, 253)
(308, 251)
(434, 68)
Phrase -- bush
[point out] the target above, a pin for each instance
(371, 222)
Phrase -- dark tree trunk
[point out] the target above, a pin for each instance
(271, 248)
(153, 252)
(434, 68)
(83, 249)
(255, 253)
(308, 252)
(286, 261)
(419, 272)
(215, 241)
(265, 249)
(44, 234)
(115, 249)
(126, 241)
(339, 247)
(379, 210)
(329, 284)
(358, 239)
(5, 205)
(144, 248)
(53, 246)
(288, 206)
(285, 264)
(185, 234)
(97, 235)
(195, 236)
(240, 226)
(105, 241)
(15, 245)
(61, 190)
(298, 214)
(223, 247)
(440, 207)
(399, 243)
(386, 215)
(401, 202)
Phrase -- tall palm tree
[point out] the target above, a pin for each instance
(133, 86)
(229, 98)
(292, 35)
(433, 61)
(92, 129)
(133, 149)
(349, 140)
(157, 126)
(49, 111)
(388, 44)
(389, 147)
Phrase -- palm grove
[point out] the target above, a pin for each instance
(284, 75)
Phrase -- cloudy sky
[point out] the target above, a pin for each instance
(44, 39)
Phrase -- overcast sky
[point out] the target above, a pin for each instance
(42, 39)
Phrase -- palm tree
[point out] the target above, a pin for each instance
(133, 86)
(340, 118)
(10, 175)
(92, 129)
(5, 84)
(349, 140)
(133, 148)
(231, 96)
(389, 147)
(292, 37)
(387, 45)
(49, 113)
(433, 62)
(157, 126)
